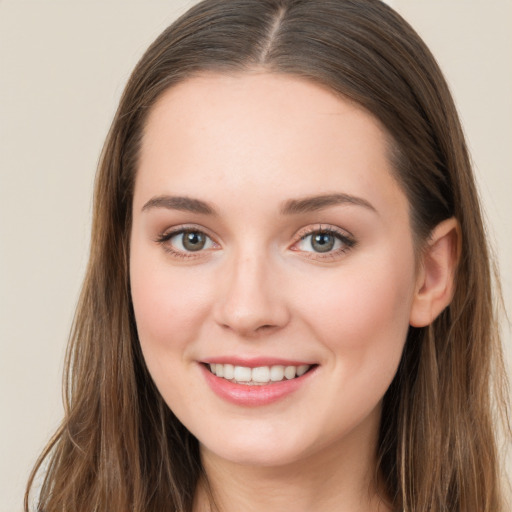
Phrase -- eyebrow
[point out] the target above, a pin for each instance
(315, 203)
(290, 207)
(185, 204)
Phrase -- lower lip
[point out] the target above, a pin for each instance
(253, 395)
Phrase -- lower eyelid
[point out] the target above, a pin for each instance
(326, 256)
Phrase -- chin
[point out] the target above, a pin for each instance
(254, 455)
(252, 444)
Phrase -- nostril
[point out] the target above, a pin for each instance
(266, 327)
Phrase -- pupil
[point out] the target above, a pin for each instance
(322, 242)
(193, 241)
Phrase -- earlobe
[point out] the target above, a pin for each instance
(436, 276)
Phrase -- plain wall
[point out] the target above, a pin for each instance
(63, 64)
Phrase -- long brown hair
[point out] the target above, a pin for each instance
(120, 447)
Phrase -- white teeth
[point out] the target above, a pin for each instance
(301, 370)
(242, 374)
(276, 373)
(261, 374)
(229, 371)
(258, 375)
(289, 372)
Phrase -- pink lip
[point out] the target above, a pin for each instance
(256, 395)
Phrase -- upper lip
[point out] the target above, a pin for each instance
(255, 362)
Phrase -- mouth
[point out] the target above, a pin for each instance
(254, 383)
(260, 375)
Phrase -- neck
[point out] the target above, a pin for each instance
(338, 478)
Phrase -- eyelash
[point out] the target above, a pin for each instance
(167, 235)
(347, 240)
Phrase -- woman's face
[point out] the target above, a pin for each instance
(269, 239)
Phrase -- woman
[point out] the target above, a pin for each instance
(283, 304)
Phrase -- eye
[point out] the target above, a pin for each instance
(324, 241)
(190, 241)
(319, 242)
(182, 242)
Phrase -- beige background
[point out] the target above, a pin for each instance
(63, 64)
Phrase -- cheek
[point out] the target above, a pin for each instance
(169, 313)
(362, 314)
(168, 307)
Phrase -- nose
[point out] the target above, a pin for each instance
(252, 301)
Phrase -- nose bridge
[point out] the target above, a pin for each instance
(251, 301)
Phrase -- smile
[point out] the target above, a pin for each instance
(256, 384)
(257, 376)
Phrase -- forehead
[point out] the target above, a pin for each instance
(267, 132)
(289, 106)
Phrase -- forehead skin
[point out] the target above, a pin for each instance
(200, 114)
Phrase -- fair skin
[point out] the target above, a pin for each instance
(265, 277)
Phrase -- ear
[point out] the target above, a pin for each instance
(436, 275)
